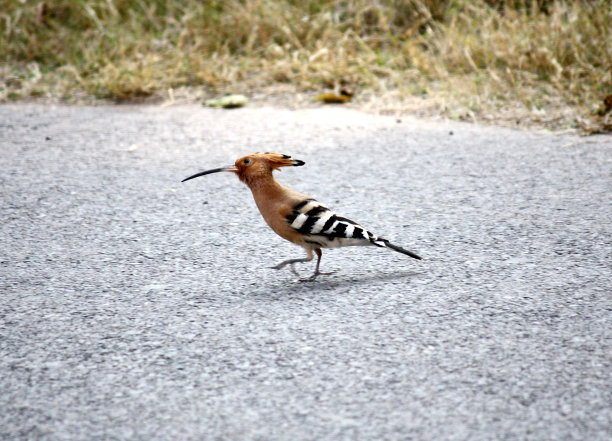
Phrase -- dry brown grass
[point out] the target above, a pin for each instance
(544, 62)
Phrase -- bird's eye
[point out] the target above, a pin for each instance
(247, 161)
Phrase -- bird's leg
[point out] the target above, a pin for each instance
(317, 272)
(291, 262)
(308, 258)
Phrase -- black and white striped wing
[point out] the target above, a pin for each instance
(325, 228)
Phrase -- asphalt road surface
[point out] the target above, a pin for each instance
(135, 307)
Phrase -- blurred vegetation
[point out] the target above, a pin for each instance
(543, 61)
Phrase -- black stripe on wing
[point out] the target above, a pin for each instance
(339, 230)
(301, 205)
(360, 233)
(311, 218)
(348, 221)
(329, 223)
(314, 214)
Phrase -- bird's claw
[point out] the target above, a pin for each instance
(294, 271)
(282, 265)
(314, 276)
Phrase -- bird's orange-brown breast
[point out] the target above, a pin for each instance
(275, 203)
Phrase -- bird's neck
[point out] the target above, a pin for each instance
(266, 186)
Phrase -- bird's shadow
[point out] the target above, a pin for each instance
(296, 287)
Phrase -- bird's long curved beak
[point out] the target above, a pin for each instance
(229, 168)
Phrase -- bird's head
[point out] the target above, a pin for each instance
(255, 165)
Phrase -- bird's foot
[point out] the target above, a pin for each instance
(314, 276)
(295, 273)
(283, 264)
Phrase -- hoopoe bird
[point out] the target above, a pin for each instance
(296, 217)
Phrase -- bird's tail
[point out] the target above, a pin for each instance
(386, 244)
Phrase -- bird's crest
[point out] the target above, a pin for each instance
(274, 160)
(252, 167)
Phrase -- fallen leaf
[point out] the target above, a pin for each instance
(334, 98)
(228, 101)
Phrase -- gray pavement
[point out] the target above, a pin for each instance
(134, 307)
